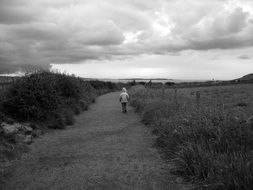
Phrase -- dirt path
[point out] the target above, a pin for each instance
(105, 149)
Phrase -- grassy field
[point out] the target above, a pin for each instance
(206, 138)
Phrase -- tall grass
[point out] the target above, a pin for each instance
(210, 145)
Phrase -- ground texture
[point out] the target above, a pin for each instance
(105, 149)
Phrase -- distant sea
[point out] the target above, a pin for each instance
(146, 80)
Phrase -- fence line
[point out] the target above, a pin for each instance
(198, 98)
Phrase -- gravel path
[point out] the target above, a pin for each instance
(105, 149)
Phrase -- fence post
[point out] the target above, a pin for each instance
(198, 98)
(163, 92)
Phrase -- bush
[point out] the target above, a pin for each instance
(45, 96)
(50, 97)
(169, 83)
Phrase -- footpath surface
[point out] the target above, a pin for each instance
(104, 150)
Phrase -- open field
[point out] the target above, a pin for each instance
(205, 133)
(230, 96)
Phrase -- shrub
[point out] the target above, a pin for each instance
(51, 97)
(169, 83)
(45, 96)
(31, 97)
(69, 87)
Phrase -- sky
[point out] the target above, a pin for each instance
(175, 39)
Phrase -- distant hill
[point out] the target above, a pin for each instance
(246, 77)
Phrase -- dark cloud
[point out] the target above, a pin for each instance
(35, 34)
(14, 16)
(229, 23)
(17, 12)
(15, 64)
(220, 43)
(237, 20)
(226, 31)
(101, 34)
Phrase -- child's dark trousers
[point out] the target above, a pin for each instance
(124, 110)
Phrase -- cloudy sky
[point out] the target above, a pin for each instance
(182, 39)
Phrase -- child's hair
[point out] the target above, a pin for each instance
(124, 89)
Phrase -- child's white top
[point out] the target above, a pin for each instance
(124, 97)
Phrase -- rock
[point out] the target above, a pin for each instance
(10, 130)
(28, 139)
(27, 129)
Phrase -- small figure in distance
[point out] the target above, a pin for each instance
(123, 98)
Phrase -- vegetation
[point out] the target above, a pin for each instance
(248, 77)
(208, 141)
(39, 101)
(102, 87)
(48, 97)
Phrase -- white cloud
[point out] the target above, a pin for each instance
(38, 33)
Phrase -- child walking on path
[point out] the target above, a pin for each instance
(123, 98)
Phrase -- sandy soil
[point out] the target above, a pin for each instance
(105, 149)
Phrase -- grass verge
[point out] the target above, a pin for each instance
(209, 145)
